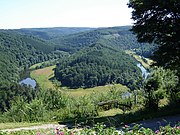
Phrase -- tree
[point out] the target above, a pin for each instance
(161, 83)
(158, 21)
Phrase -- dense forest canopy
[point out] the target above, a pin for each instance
(97, 65)
(116, 36)
(19, 52)
(51, 33)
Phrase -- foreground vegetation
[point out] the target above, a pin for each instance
(100, 129)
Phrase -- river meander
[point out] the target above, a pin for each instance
(28, 81)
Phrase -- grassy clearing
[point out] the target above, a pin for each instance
(111, 112)
(99, 89)
(146, 63)
(42, 76)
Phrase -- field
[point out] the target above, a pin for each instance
(43, 76)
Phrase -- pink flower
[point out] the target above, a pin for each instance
(38, 134)
(126, 126)
(57, 131)
(61, 133)
(57, 128)
(157, 131)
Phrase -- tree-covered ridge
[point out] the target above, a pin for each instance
(50, 33)
(18, 52)
(119, 37)
(98, 65)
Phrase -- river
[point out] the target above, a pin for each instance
(28, 81)
(32, 83)
(145, 72)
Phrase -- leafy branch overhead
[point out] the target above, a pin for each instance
(159, 21)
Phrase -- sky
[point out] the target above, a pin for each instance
(16, 14)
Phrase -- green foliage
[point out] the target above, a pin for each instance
(161, 83)
(118, 37)
(50, 105)
(51, 33)
(10, 92)
(22, 111)
(158, 21)
(19, 52)
(101, 129)
(98, 65)
(52, 99)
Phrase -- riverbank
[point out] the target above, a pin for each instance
(145, 62)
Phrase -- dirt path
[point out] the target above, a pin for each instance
(153, 124)
(44, 126)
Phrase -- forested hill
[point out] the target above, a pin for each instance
(22, 48)
(73, 39)
(18, 52)
(119, 37)
(96, 65)
(51, 33)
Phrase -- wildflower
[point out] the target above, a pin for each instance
(57, 128)
(157, 131)
(61, 133)
(130, 131)
(178, 127)
(126, 126)
(38, 134)
(57, 131)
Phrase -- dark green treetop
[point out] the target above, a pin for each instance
(159, 21)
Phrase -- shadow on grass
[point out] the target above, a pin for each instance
(122, 119)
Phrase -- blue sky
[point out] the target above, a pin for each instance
(67, 13)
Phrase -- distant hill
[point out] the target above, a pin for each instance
(96, 65)
(119, 37)
(51, 33)
(22, 48)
